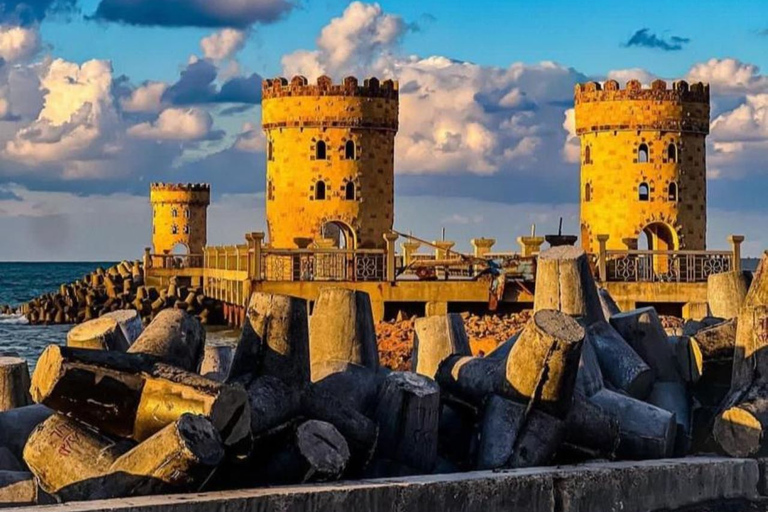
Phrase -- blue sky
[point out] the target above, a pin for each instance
(100, 100)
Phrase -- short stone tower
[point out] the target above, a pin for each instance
(643, 164)
(330, 161)
(179, 217)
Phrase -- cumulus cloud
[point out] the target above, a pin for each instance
(644, 38)
(223, 44)
(729, 76)
(17, 43)
(350, 43)
(197, 85)
(193, 13)
(251, 139)
(191, 124)
(145, 98)
(77, 120)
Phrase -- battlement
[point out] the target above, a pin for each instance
(180, 187)
(679, 91)
(299, 86)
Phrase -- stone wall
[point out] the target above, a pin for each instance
(179, 216)
(643, 164)
(358, 186)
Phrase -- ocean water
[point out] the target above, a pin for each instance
(21, 282)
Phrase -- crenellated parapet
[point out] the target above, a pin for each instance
(677, 107)
(191, 193)
(299, 86)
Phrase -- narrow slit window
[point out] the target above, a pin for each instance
(588, 155)
(672, 196)
(270, 151)
(643, 154)
(350, 151)
(321, 150)
(320, 190)
(174, 213)
(588, 192)
(350, 194)
(644, 192)
(672, 153)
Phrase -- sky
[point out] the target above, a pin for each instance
(99, 98)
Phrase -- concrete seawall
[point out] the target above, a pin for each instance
(604, 487)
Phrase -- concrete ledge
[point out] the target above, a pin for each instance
(623, 486)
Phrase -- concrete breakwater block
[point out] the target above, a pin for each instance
(606, 487)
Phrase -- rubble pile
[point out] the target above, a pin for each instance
(395, 338)
(116, 288)
(300, 399)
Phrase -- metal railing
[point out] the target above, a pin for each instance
(666, 266)
(177, 261)
(323, 265)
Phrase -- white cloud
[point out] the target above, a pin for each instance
(624, 75)
(223, 44)
(747, 122)
(78, 120)
(145, 98)
(190, 124)
(729, 76)
(18, 43)
(251, 139)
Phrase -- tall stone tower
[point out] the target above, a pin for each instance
(179, 217)
(330, 161)
(643, 164)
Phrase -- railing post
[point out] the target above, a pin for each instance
(255, 242)
(391, 271)
(409, 248)
(147, 260)
(602, 270)
(482, 246)
(735, 241)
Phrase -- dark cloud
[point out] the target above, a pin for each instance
(26, 12)
(644, 38)
(235, 109)
(197, 86)
(193, 13)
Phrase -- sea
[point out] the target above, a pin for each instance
(21, 282)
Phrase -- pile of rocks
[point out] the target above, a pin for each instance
(116, 288)
(485, 333)
(125, 412)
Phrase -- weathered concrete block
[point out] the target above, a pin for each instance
(130, 323)
(103, 333)
(14, 383)
(174, 337)
(17, 424)
(726, 292)
(17, 489)
(435, 339)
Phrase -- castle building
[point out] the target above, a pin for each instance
(643, 165)
(179, 217)
(330, 161)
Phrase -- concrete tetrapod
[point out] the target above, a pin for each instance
(342, 330)
(174, 337)
(67, 457)
(619, 363)
(17, 424)
(565, 283)
(471, 378)
(127, 396)
(609, 305)
(281, 327)
(178, 458)
(102, 333)
(543, 364)
(216, 363)
(642, 329)
(130, 323)
(18, 489)
(408, 415)
(14, 383)
(590, 432)
(645, 431)
(435, 339)
(726, 293)
(740, 430)
(590, 378)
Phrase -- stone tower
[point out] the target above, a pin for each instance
(330, 161)
(179, 217)
(643, 164)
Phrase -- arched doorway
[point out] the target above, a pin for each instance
(340, 234)
(658, 236)
(180, 253)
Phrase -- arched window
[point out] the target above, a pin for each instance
(672, 196)
(588, 155)
(270, 151)
(643, 155)
(321, 150)
(174, 229)
(174, 213)
(350, 151)
(320, 190)
(186, 212)
(643, 192)
(186, 229)
(350, 194)
(672, 153)
(588, 192)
